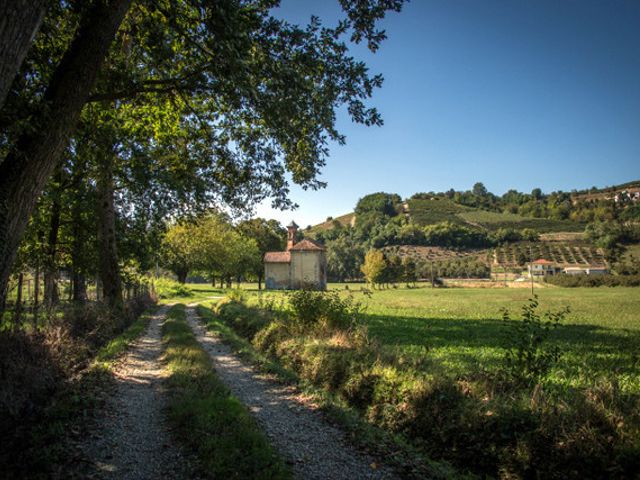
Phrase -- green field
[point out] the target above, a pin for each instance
(460, 329)
(434, 368)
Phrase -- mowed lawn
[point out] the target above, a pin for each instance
(460, 331)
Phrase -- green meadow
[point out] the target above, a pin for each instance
(435, 369)
(460, 330)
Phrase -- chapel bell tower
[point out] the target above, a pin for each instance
(292, 229)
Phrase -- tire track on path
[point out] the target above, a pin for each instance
(314, 449)
(130, 440)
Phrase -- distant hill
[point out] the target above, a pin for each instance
(606, 193)
(345, 220)
(429, 211)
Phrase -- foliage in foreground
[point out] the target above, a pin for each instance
(510, 427)
(206, 417)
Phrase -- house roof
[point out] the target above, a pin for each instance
(307, 245)
(542, 261)
(292, 225)
(277, 257)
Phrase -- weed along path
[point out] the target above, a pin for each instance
(130, 441)
(313, 448)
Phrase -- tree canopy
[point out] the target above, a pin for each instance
(192, 102)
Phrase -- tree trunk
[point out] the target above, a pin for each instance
(78, 236)
(51, 295)
(182, 276)
(260, 281)
(19, 23)
(33, 158)
(18, 310)
(36, 295)
(79, 288)
(106, 213)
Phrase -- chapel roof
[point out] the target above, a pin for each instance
(307, 245)
(277, 257)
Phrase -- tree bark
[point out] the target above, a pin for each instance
(182, 276)
(108, 248)
(51, 295)
(31, 161)
(79, 288)
(36, 295)
(78, 242)
(18, 310)
(260, 281)
(19, 23)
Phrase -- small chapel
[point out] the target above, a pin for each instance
(302, 265)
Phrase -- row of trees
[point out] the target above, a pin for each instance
(381, 269)
(212, 246)
(555, 205)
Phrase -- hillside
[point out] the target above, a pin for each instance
(427, 212)
(606, 193)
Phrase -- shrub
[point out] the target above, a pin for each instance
(268, 338)
(246, 321)
(168, 288)
(530, 357)
(359, 389)
(326, 310)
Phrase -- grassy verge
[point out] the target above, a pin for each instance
(393, 448)
(206, 417)
(116, 347)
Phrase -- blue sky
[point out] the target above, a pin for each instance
(515, 94)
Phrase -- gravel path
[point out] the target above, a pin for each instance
(315, 449)
(130, 440)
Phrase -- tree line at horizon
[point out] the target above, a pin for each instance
(380, 221)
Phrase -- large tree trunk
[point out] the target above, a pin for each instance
(19, 22)
(106, 213)
(31, 161)
(182, 275)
